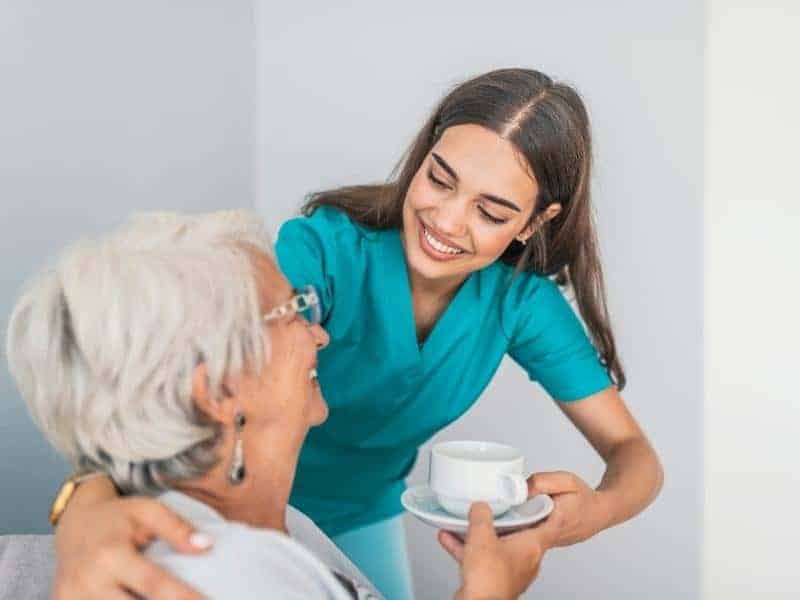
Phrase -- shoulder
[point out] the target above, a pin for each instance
(519, 289)
(324, 248)
(325, 225)
(530, 302)
(250, 563)
(306, 532)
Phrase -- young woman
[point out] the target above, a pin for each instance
(426, 283)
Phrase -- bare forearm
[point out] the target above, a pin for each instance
(632, 480)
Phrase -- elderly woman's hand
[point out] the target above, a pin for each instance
(495, 568)
(99, 549)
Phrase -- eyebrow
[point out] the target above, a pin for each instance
(490, 197)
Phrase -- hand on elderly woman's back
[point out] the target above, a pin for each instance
(102, 558)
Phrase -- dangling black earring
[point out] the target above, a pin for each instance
(237, 471)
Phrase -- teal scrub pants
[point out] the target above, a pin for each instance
(381, 552)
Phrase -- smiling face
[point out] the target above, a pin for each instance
(280, 401)
(287, 392)
(472, 196)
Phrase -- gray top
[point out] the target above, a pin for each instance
(27, 563)
(247, 562)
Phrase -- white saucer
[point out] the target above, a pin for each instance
(421, 502)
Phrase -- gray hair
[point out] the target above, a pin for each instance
(104, 346)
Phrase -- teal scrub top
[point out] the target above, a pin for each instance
(386, 394)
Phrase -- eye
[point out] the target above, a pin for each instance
(436, 181)
(491, 218)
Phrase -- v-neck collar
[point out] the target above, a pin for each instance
(401, 305)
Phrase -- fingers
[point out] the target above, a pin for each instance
(157, 521)
(452, 545)
(76, 580)
(62, 591)
(112, 567)
(554, 482)
(480, 533)
(543, 534)
(145, 578)
(481, 523)
(115, 594)
(480, 515)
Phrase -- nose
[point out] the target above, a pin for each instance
(321, 337)
(451, 218)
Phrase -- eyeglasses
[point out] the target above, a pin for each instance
(305, 303)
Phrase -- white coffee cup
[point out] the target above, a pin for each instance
(465, 472)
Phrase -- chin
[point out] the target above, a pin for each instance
(430, 270)
(319, 413)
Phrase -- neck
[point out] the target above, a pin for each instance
(259, 501)
(437, 292)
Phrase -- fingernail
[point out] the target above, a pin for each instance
(201, 541)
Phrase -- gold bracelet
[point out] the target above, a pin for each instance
(65, 493)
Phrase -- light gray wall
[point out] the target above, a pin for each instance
(752, 409)
(342, 91)
(107, 107)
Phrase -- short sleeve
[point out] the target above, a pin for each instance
(307, 249)
(550, 343)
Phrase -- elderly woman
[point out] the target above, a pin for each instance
(174, 356)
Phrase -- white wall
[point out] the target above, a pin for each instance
(752, 418)
(107, 108)
(343, 90)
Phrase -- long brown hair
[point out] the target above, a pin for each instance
(548, 124)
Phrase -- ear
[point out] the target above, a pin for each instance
(220, 410)
(525, 234)
(549, 213)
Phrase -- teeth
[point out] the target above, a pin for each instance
(439, 245)
(312, 374)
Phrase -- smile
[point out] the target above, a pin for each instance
(435, 247)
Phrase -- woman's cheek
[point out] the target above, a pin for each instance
(489, 247)
(420, 195)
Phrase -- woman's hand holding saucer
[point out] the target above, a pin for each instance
(578, 513)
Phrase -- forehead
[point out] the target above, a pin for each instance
(488, 163)
(273, 287)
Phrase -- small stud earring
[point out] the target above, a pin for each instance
(238, 471)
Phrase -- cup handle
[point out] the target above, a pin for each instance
(515, 488)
